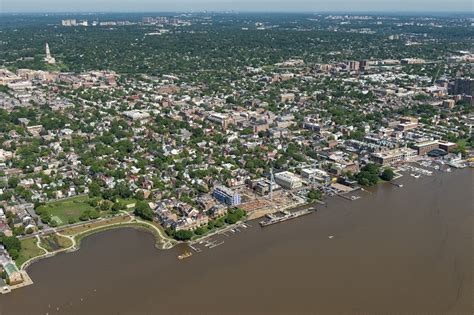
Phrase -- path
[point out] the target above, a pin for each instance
(165, 240)
(38, 243)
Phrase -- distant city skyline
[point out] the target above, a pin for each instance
(236, 5)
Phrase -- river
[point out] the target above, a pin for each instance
(396, 250)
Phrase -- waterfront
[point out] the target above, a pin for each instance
(394, 250)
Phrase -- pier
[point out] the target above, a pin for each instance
(287, 216)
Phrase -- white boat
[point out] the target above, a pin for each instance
(185, 255)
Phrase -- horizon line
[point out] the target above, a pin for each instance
(369, 12)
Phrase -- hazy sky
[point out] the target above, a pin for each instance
(237, 5)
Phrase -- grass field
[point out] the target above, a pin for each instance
(28, 250)
(63, 211)
(55, 242)
(82, 228)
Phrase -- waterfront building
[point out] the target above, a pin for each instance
(426, 146)
(315, 174)
(447, 146)
(226, 195)
(288, 180)
(13, 274)
(393, 156)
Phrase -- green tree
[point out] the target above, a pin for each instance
(13, 182)
(369, 175)
(183, 235)
(388, 174)
(315, 194)
(143, 210)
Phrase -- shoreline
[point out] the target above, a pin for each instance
(162, 242)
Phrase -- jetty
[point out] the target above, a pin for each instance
(272, 219)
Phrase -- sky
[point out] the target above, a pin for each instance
(465, 6)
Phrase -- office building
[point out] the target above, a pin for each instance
(463, 86)
(288, 180)
(426, 146)
(390, 157)
(69, 22)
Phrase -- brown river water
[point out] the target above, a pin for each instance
(394, 251)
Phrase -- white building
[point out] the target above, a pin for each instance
(69, 22)
(136, 115)
(288, 180)
(314, 173)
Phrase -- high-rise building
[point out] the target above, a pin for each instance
(463, 86)
(69, 22)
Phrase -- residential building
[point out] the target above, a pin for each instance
(226, 195)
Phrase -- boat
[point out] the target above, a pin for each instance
(185, 255)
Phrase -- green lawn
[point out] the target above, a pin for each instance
(28, 250)
(55, 242)
(64, 210)
(128, 202)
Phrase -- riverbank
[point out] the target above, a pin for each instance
(39, 247)
(406, 250)
(70, 238)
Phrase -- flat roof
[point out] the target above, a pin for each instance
(424, 143)
(393, 153)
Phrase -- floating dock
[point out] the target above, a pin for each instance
(286, 217)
